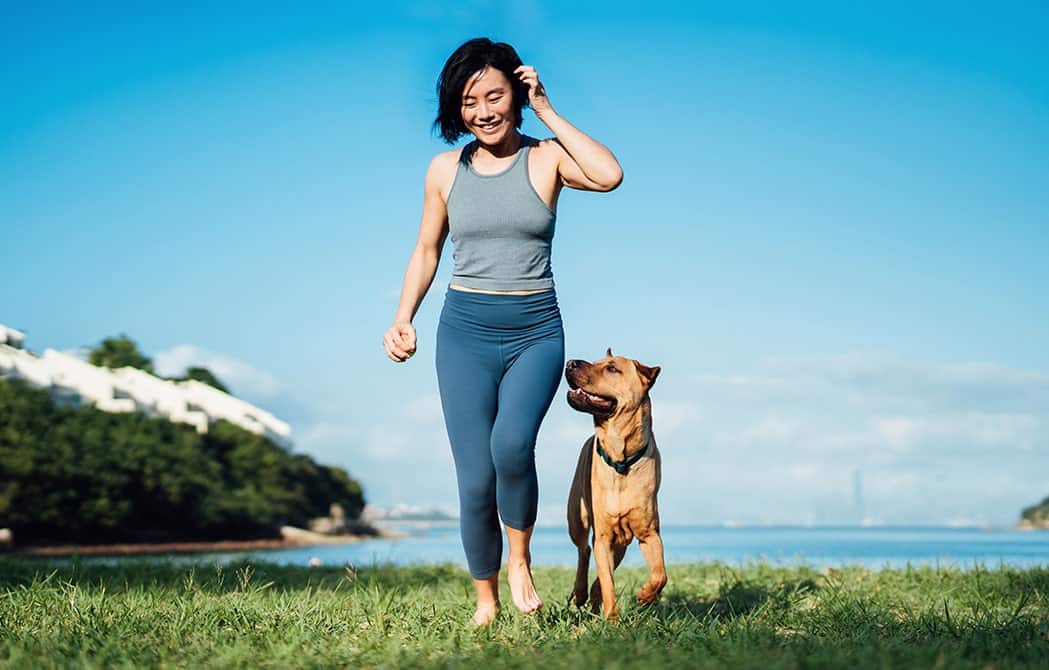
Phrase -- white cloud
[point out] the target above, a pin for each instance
(779, 443)
(425, 408)
(668, 416)
(933, 441)
(326, 432)
(329, 441)
(238, 375)
(400, 456)
(387, 442)
(960, 430)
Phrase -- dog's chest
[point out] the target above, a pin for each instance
(624, 512)
(618, 528)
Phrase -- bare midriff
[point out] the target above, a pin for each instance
(457, 287)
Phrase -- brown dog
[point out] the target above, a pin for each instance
(616, 479)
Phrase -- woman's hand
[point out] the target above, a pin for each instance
(399, 342)
(584, 163)
(536, 93)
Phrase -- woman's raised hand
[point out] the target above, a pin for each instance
(536, 93)
(399, 342)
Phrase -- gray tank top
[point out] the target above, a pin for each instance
(501, 229)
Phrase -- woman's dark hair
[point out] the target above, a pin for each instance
(471, 57)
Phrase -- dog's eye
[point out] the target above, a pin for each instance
(611, 368)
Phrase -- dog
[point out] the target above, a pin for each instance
(616, 479)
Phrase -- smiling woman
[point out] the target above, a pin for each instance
(500, 341)
(480, 99)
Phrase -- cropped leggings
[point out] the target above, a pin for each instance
(499, 362)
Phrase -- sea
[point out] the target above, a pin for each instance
(873, 547)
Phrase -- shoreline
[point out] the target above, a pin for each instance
(1032, 525)
(291, 538)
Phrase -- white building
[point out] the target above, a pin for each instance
(17, 362)
(11, 337)
(73, 381)
(218, 404)
(160, 397)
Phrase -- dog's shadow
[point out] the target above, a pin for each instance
(735, 598)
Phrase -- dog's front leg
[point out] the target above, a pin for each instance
(604, 562)
(583, 567)
(652, 549)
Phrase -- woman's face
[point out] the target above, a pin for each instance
(487, 106)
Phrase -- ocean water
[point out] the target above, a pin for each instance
(873, 547)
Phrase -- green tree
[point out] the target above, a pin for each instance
(205, 376)
(77, 474)
(1037, 515)
(118, 352)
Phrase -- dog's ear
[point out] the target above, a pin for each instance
(647, 373)
(609, 352)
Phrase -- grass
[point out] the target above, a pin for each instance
(142, 614)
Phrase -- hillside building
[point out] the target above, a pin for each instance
(72, 381)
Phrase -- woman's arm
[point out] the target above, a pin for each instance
(584, 163)
(400, 339)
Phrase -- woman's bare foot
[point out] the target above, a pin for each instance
(485, 613)
(519, 570)
(519, 575)
(487, 599)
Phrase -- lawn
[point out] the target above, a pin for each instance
(149, 614)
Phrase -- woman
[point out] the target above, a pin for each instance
(500, 341)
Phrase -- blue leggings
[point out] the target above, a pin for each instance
(499, 362)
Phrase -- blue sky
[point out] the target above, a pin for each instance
(831, 234)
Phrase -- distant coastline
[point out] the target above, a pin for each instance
(1032, 525)
(1035, 517)
(291, 537)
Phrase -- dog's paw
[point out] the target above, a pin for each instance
(647, 596)
(578, 598)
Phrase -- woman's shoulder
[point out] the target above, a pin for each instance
(549, 146)
(443, 163)
(548, 150)
(540, 143)
(444, 157)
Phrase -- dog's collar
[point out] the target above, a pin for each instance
(623, 466)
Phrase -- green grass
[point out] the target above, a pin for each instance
(262, 615)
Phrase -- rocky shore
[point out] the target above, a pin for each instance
(1035, 517)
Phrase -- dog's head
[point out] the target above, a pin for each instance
(610, 386)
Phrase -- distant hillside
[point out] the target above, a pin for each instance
(78, 474)
(1036, 516)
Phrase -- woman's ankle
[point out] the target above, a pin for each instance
(487, 590)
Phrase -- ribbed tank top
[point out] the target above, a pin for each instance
(501, 229)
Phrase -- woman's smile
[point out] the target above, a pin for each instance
(487, 104)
